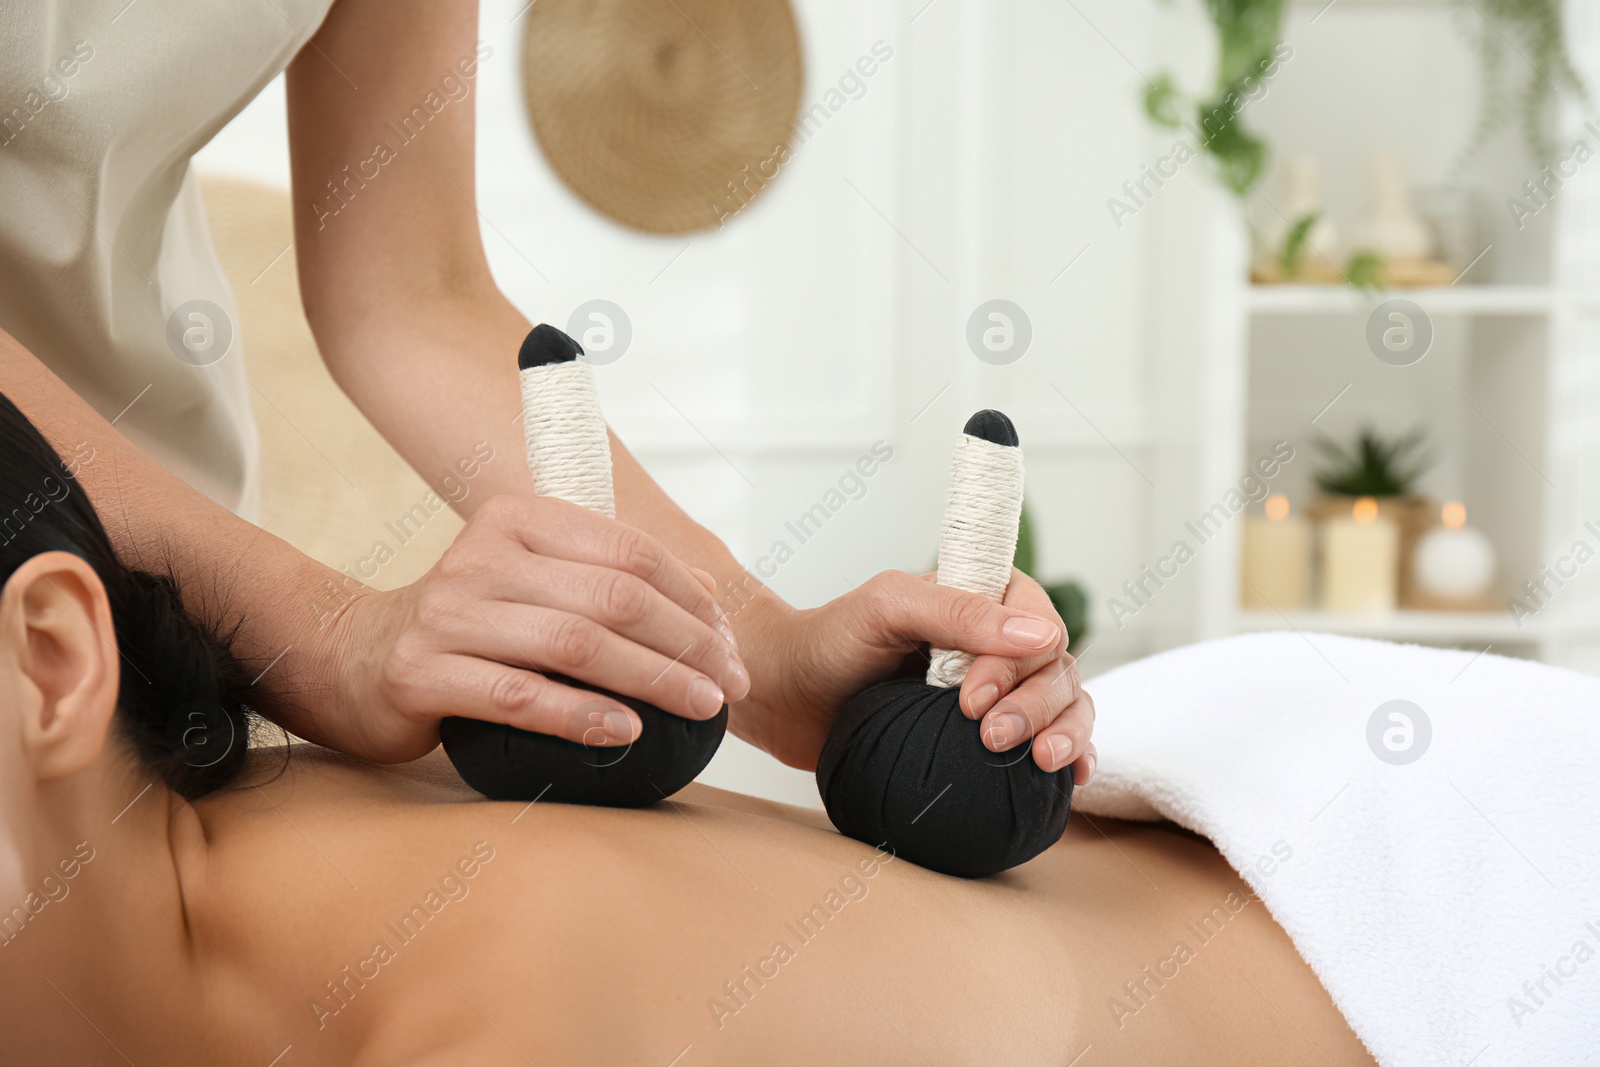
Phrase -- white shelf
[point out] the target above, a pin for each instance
(1401, 5)
(1488, 627)
(1443, 300)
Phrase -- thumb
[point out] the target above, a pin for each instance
(950, 618)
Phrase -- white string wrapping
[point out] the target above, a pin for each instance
(979, 538)
(568, 450)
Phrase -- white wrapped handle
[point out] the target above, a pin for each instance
(979, 537)
(569, 452)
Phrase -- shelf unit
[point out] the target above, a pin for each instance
(1506, 391)
(1448, 300)
(1452, 627)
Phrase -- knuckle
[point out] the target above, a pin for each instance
(439, 605)
(1001, 672)
(468, 557)
(403, 668)
(637, 554)
(888, 593)
(501, 510)
(706, 607)
(969, 614)
(622, 599)
(708, 652)
(1036, 709)
(890, 582)
(512, 691)
(1064, 682)
(573, 643)
(458, 563)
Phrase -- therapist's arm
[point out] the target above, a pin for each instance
(288, 614)
(411, 324)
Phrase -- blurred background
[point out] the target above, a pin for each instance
(1293, 305)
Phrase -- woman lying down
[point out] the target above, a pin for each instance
(267, 909)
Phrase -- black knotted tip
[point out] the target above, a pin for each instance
(545, 344)
(994, 427)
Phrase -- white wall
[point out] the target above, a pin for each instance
(770, 354)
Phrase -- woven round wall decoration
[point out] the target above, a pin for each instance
(665, 115)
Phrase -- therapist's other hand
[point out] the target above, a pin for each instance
(534, 585)
(1023, 684)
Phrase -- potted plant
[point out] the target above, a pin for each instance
(1385, 469)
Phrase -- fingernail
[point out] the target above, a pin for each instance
(983, 699)
(735, 679)
(619, 726)
(1060, 751)
(727, 634)
(1004, 730)
(705, 699)
(1034, 633)
(1094, 764)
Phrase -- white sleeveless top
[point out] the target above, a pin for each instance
(104, 249)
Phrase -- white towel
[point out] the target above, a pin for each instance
(1451, 904)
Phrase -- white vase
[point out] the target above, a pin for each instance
(1395, 231)
(1302, 196)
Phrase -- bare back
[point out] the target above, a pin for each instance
(386, 915)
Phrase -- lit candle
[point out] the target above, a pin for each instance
(1454, 561)
(1360, 560)
(1277, 558)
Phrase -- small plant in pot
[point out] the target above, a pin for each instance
(1385, 469)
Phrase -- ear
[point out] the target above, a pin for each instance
(55, 626)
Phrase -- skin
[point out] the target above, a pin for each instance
(398, 292)
(200, 933)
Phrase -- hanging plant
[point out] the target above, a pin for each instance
(1523, 63)
(1249, 50)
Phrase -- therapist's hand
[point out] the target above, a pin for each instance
(1024, 686)
(534, 585)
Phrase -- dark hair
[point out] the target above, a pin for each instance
(181, 700)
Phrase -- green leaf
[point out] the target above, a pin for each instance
(1365, 271)
(1071, 602)
(1375, 465)
(1161, 100)
(1240, 155)
(1023, 560)
(1294, 244)
(1248, 32)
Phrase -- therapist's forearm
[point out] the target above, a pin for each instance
(234, 576)
(439, 383)
(395, 281)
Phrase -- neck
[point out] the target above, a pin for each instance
(101, 913)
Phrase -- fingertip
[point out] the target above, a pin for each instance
(705, 698)
(705, 579)
(978, 699)
(622, 726)
(1004, 730)
(1053, 752)
(1084, 769)
(1030, 632)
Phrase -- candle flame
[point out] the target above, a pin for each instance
(1454, 515)
(1365, 511)
(1277, 507)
